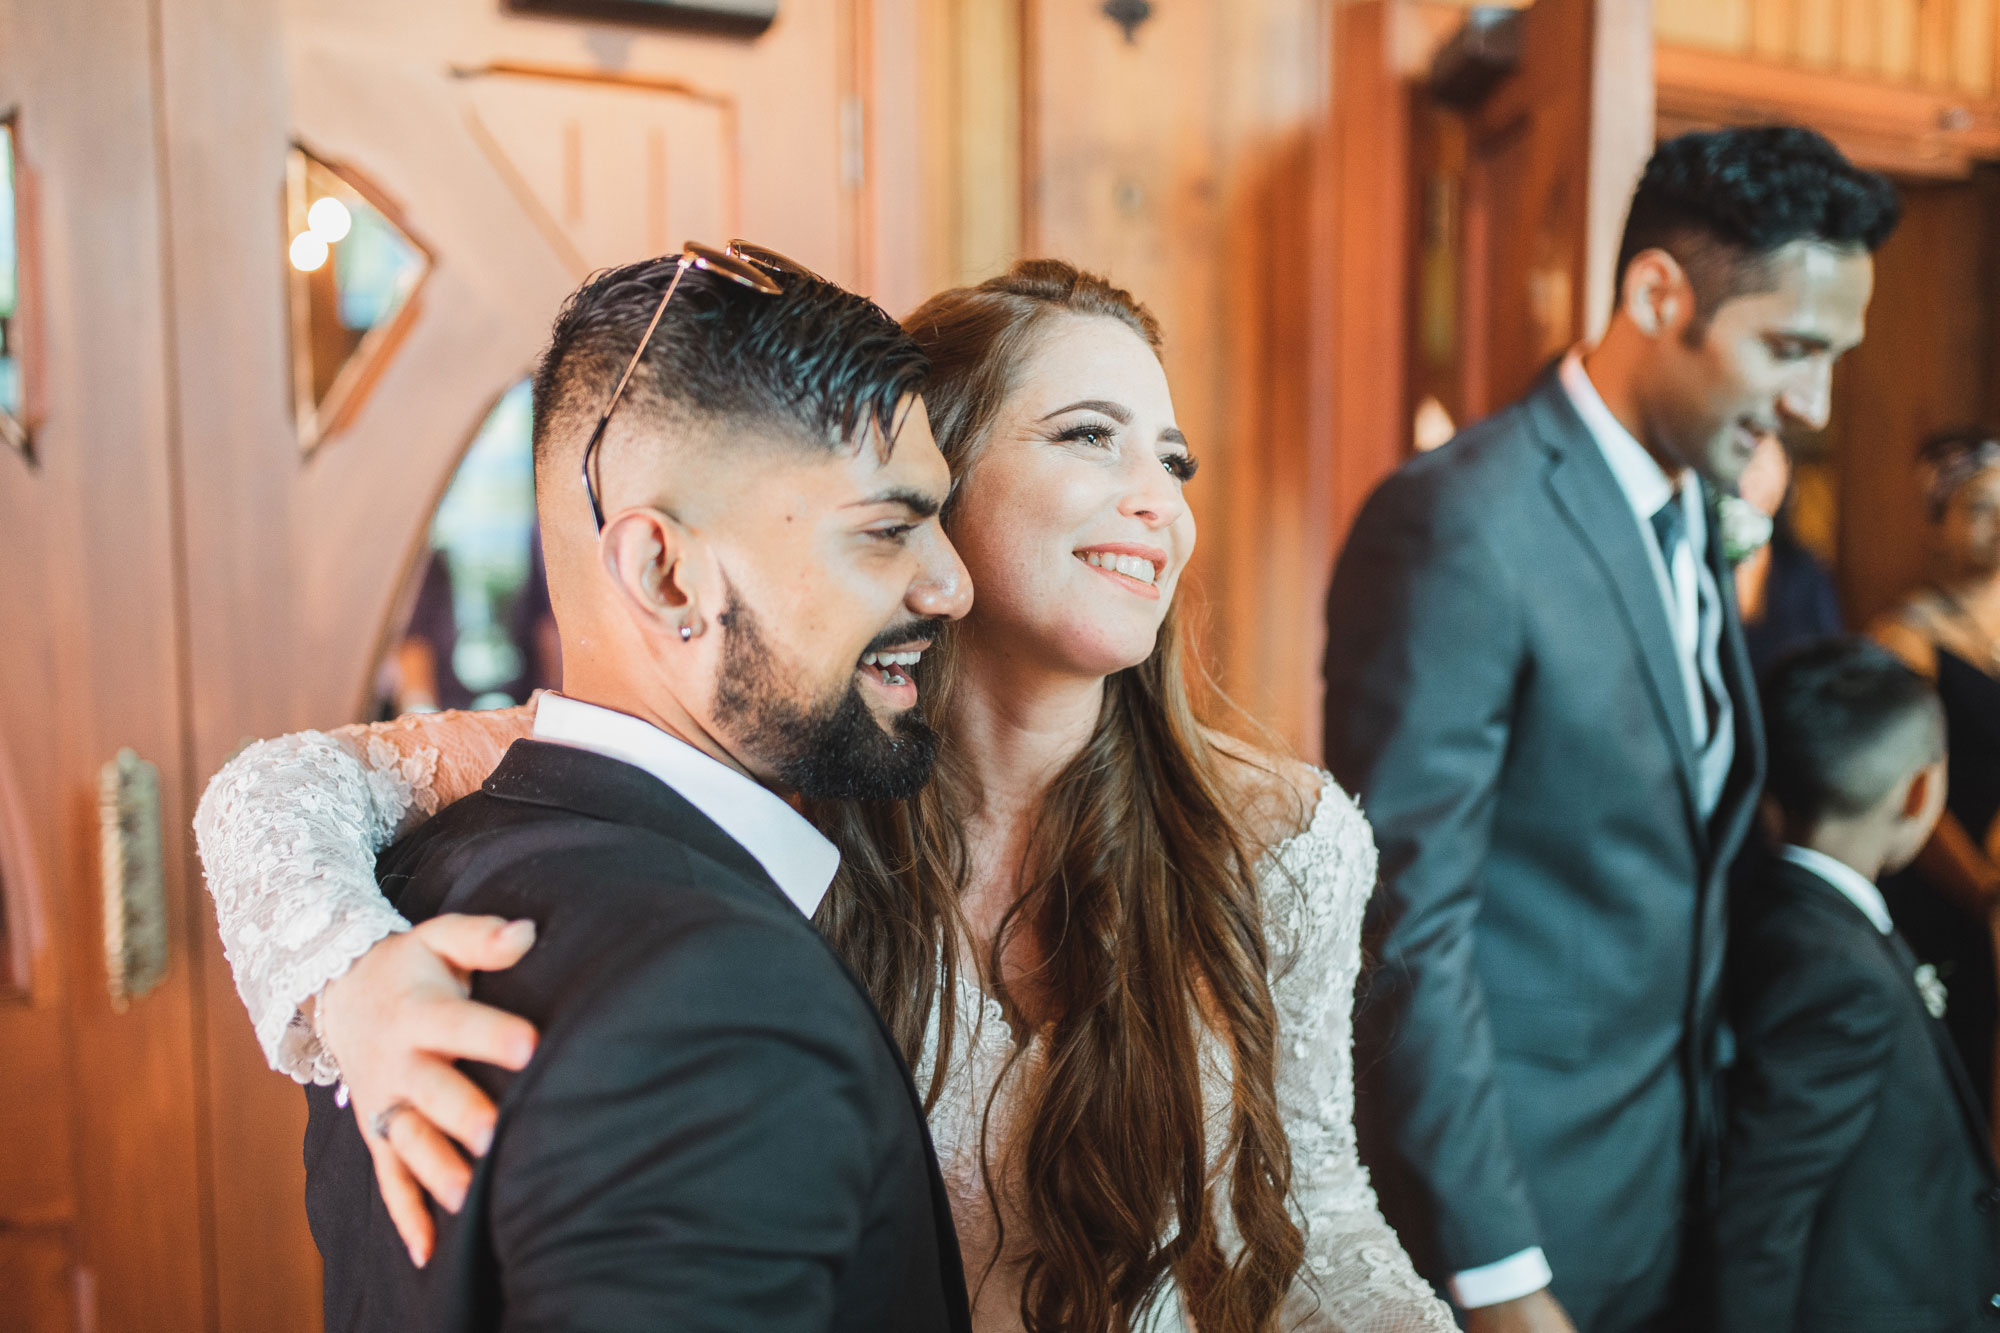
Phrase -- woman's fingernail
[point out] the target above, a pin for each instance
(518, 933)
(420, 1255)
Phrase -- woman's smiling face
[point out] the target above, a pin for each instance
(1070, 518)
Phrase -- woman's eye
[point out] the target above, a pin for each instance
(1180, 466)
(1097, 437)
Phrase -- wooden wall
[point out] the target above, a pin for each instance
(1943, 45)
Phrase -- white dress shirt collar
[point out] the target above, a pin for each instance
(1853, 885)
(799, 860)
(1646, 485)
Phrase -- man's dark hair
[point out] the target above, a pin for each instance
(1721, 201)
(1846, 722)
(816, 361)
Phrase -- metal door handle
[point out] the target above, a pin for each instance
(135, 905)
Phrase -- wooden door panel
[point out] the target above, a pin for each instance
(38, 1282)
(88, 590)
(1551, 158)
(618, 171)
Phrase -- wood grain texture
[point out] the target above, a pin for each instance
(1927, 364)
(93, 661)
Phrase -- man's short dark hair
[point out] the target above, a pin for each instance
(1721, 201)
(1846, 722)
(815, 362)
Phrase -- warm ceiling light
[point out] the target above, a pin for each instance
(329, 219)
(308, 251)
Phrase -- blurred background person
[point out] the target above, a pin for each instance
(1537, 684)
(1949, 631)
(1785, 596)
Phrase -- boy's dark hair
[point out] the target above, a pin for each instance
(815, 361)
(1721, 201)
(1846, 722)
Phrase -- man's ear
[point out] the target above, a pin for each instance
(1656, 294)
(1917, 796)
(657, 565)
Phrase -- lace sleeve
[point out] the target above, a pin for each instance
(1357, 1277)
(288, 832)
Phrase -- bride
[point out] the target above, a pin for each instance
(1118, 947)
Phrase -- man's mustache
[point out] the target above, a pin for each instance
(907, 632)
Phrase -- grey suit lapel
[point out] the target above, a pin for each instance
(1588, 495)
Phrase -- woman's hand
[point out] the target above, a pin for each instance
(396, 1021)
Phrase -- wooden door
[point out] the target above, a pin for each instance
(514, 155)
(103, 1223)
(182, 569)
(1524, 199)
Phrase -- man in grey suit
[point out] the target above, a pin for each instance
(1536, 681)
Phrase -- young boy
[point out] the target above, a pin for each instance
(1858, 1193)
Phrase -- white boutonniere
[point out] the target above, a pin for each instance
(1746, 529)
(1931, 987)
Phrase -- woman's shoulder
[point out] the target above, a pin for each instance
(1285, 804)
(1911, 631)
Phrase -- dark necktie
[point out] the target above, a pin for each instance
(1670, 528)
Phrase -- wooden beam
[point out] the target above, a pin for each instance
(1885, 125)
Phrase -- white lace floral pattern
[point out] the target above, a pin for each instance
(288, 834)
(1358, 1278)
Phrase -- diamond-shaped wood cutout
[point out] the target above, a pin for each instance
(13, 387)
(356, 270)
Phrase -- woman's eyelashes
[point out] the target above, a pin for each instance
(1180, 464)
(1092, 433)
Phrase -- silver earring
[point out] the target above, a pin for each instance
(687, 632)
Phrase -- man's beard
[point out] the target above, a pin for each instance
(833, 750)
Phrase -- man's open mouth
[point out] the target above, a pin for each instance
(892, 667)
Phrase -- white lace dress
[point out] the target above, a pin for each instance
(288, 833)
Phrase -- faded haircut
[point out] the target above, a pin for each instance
(815, 363)
(1846, 722)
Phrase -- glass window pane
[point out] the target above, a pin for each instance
(479, 633)
(354, 270)
(10, 293)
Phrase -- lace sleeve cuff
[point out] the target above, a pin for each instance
(288, 833)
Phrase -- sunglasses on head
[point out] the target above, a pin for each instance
(761, 269)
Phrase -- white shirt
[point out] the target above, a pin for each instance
(799, 860)
(1853, 885)
(1685, 588)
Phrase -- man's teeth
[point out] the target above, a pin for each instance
(890, 659)
(1131, 566)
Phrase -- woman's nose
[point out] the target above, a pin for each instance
(1155, 497)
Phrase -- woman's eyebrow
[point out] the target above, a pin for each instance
(1172, 435)
(1118, 412)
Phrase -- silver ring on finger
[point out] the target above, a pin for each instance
(378, 1124)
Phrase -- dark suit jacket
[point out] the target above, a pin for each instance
(1859, 1194)
(1538, 1041)
(716, 1133)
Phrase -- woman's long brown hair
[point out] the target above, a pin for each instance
(1139, 896)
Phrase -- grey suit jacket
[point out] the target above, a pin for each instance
(1539, 1037)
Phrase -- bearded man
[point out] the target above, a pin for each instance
(717, 1131)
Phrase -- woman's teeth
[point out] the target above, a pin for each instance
(1131, 566)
